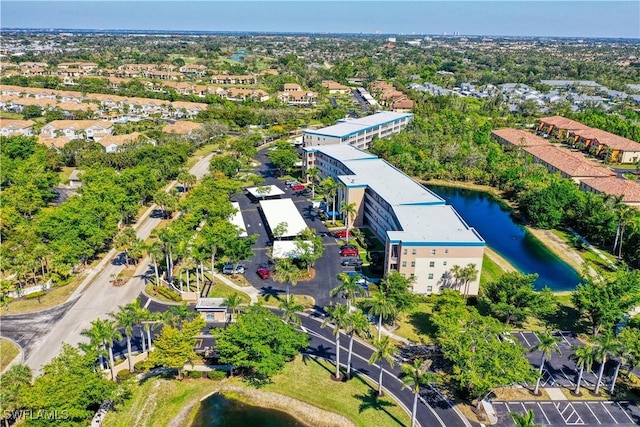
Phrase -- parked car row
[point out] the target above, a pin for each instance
(229, 268)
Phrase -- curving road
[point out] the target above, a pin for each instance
(41, 334)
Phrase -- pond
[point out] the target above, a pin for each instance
(218, 410)
(495, 224)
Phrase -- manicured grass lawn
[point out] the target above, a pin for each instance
(416, 325)
(65, 173)
(10, 116)
(490, 270)
(8, 352)
(157, 401)
(220, 290)
(565, 319)
(53, 297)
(274, 300)
(310, 380)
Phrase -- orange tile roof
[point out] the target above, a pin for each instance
(53, 142)
(520, 137)
(569, 162)
(611, 140)
(16, 124)
(630, 190)
(562, 123)
(181, 127)
(119, 139)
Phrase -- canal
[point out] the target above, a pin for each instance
(509, 239)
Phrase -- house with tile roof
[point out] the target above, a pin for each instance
(298, 97)
(517, 137)
(77, 129)
(335, 87)
(16, 127)
(182, 127)
(627, 189)
(568, 163)
(112, 143)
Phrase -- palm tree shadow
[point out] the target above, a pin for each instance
(320, 352)
(371, 400)
(269, 292)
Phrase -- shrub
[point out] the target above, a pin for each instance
(168, 293)
(124, 375)
(143, 366)
(35, 295)
(217, 375)
(194, 374)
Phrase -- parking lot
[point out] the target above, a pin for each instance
(560, 370)
(566, 413)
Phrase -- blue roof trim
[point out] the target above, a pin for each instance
(461, 244)
(357, 186)
(436, 203)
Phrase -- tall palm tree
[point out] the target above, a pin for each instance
(624, 356)
(526, 420)
(624, 215)
(607, 345)
(123, 242)
(290, 311)
(469, 274)
(330, 188)
(126, 319)
(287, 272)
(336, 315)
(348, 210)
(381, 307)
(357, 324)
(349, 285)
(312, 177)
(154, 250)
(96, 343)
(547, 345)
(414, 376)
(106, 332)
(385, 350)
(583, 356)
(177, 314)
(457, 273)
(232, 302)
(142, 314)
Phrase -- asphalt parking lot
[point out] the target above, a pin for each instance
(574, 413)
(560, 370)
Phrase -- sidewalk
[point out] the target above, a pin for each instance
(249, 290)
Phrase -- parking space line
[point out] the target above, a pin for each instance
(564, 338)
(565, 375)
(592, 413)
(543, 413)
(612, 417)
(625, 412)
(578, 419)
(525, 339)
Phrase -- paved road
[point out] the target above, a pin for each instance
(41, 334)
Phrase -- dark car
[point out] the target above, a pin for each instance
(263, 273)
(351, 262)
(349, 252)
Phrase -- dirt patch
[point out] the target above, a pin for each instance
(499, 260)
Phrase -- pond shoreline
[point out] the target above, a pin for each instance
(547, 238)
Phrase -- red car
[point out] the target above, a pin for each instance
(349, 252)
(298, 187)
(263, 273)
(343, 233)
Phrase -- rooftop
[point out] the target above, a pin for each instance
(569, 162)
(629, 190)
(237, 219)
(520, 137)
(350, 127)
(273, 191)
(280, 211)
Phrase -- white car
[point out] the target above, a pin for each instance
(229, 269)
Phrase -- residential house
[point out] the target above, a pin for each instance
(292, 87)
(182, 127)
(298, 97)
(112, 143)
(182, 109)
(568, 163)
(239, 94)
(195, 69)
(16, 127)
(77, 129)
(517, 137)
(225, 79)
(335, 87)
(627, 189)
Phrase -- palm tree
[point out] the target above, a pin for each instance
(106, 332)
(142, 314)
(357, 324)
(95, 341)
(290, 311)
(349, 286)
(457, 273)
(330, 188)
(337, 315)
(625, 215)
(469, 274)
(623, 355)
(177, 314)
(287, 272)
(312, 176)
(381, 307)
(232, 302)
(348, 210)
(607, 344)
(126, 319)
(583, 357)
(123, 242)
(547, 345)
(415, 376)
(385, 350)
(154, 250)
(526, 420)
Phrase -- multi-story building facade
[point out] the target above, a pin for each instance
(358, 132)
(423, 237)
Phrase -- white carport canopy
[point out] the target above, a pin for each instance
(289, 248)
(278, 211)
(273, 191)
(237, 219)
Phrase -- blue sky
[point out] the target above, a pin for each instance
(508, 18)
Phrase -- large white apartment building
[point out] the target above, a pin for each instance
(358, 132)
(423, 236)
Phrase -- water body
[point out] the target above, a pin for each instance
(509, 239)
(218, 410)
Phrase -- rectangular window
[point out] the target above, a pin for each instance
(413, 252)
(413, 263)
(433, 251)
(430, 276)
(404, 263)
(413, 275)
(211, 317)
(432, 264)
(446, 251)
(429, 288)
(404, 252)
(444, 263)
(393, 267)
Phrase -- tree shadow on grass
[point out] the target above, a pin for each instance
(269, 293)
(423, 323)
(320, 353)
(371, 400)
(566, 318)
